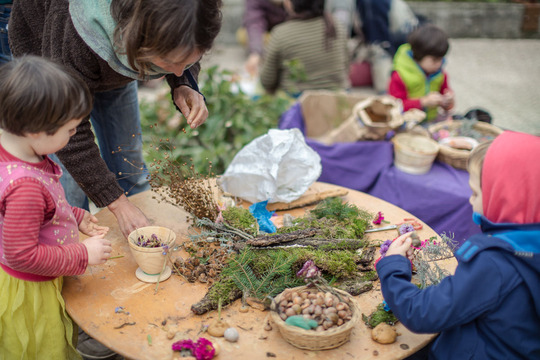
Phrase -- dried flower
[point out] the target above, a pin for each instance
(309, 270)
(120, 309)
(202, 349)
(187, 344)
(405, 228)
(384, 247)
(378, 218)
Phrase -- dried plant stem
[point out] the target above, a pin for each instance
(164, 264)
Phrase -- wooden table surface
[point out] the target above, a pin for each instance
(91, 300)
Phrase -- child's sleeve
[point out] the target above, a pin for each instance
(79, 214)
(455, 301)
(24, 208)
(397, 89)
(271, 71)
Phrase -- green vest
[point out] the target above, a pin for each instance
(416, 81)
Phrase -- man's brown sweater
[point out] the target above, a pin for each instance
(45, 28)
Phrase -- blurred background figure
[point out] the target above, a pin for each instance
(5, 12)
(260, 17)
(384, 26)
(308, 51)
(419, 79)
(344, 12)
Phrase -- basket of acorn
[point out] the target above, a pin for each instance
(315, 318)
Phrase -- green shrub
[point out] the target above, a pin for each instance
(234, 120)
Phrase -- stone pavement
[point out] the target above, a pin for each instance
(500, 76)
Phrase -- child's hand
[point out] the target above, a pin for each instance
(89, 226)
(432, 99)
(99, 249)
(448, 100)
(402, 246)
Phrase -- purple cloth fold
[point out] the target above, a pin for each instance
(440, 198)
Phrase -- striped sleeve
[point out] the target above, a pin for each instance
(26, 206)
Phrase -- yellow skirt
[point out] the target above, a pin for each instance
(34, 323)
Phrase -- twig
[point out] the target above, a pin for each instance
(125, 324)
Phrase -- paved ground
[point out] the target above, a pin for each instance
(500, 76)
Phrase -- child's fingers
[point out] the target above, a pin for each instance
(401, 239)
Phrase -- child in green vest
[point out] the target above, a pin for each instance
(418, 78)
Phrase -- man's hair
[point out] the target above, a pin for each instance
(428, 40)
(147, 28)
(475, 162)
(38, 95)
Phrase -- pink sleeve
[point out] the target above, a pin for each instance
(25, 207)
(79, 214)
(397, 89)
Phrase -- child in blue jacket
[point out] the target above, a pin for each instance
(490, 307)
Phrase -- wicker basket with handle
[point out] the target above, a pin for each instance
(458, 157)
(312, 339)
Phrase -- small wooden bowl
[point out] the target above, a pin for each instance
(150, 260)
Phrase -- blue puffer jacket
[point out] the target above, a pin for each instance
(490, 307)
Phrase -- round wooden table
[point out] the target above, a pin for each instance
(91, 299)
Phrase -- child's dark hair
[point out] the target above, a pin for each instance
(475, 162)
(147, 28)
(428, 40)
(308, 9)
(38, 95)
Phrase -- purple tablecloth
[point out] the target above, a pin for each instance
(440, 198)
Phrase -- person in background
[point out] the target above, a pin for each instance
(309, 51)
(260, 17)
(383, 26)
(5, 11)
(496, 284)
(418, 78)
(386, 22)
(111, 44)
(41, 106)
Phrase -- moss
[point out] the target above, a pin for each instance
(335, 219)
(369, 276)
(344, 245)
(240, 218)
(379, 316)
(221, 289)
(339, 264)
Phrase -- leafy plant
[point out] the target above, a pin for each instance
(234, 120)
(258, 281)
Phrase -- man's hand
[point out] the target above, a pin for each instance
(129, 216)
(192, 105)
(89, 226)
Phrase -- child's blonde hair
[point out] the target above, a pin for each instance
(475, 163)
(38, 95)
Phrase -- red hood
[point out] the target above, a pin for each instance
(511, 179)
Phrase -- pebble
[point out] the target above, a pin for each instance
(231, 335)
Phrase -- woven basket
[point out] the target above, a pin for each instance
(316, 340)
(457, 157)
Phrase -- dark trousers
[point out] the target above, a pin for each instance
(5, 52)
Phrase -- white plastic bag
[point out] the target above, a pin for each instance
(278, 166)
